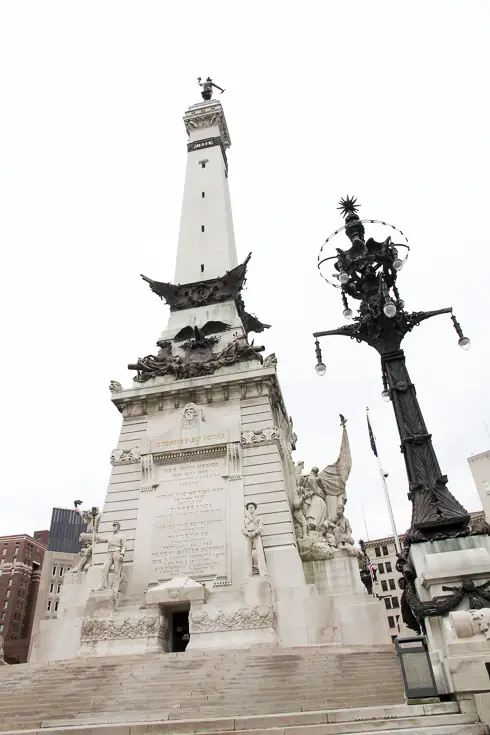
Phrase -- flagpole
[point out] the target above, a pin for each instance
(364, 519)
(385, 488)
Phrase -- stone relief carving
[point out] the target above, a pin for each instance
(201, 118)
(469, 623)
(125, 456)
(260, 616)
(259, 436)
(147, 473)
(99, 629)
(191, 418)
(318, 507)
(115, 387)
(270, 360)
(254, 552)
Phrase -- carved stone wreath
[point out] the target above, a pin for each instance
(94, 629)
(125, 456)
(259, 436)
(246, 618)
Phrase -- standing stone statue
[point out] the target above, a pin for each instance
(2, 659)
(252, 531)
(115, 555)
(314, 504)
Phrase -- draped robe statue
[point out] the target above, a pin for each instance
(334, 477)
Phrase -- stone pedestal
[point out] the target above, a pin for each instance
(458, 642)
(59, 638)
(342, 612)
(248, 622)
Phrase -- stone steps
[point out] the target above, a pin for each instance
(435, 719)
(220, 691)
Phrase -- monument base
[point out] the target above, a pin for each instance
(459, 642)
(342, 612)
(249, 621)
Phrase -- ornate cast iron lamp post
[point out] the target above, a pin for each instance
(368, 272)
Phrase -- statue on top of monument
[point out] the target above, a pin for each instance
(207, 88)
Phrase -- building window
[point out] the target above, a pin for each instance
(1, 627)
(54, 572)
(48, 607)
(56, 605)
(387, 603)
(381, 568)
(202, 228)
(51, 587)
(385, 550)
(203, 164)
(8, 594)
(58, 589)
(393, 638)
(384, 585)
(392, 584)
(394, 602)
(391, 621)
(388, 567)
(4, 552)
(10, 582)
(377, 551)
(203, 194)
(2, 616)
(61, 571)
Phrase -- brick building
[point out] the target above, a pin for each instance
(21, 559)
(62, 554)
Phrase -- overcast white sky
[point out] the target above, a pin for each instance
(387, 101)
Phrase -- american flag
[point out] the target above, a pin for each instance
(371, 437)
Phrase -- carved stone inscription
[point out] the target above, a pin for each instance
(189, 527)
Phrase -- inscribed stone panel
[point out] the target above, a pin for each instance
(190, 523)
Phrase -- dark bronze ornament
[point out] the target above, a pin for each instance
(212, 291)
(367, 272)
(414, 610)
(196, 363)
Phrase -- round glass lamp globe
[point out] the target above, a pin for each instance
(321, 369)
(389, 309)
(398, 264)
(343, 278)
(464, 343)
(385, 395)
(347, 313)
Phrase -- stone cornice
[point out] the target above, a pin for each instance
(211, 387)
(206, 115)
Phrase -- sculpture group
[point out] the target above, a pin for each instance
(318, 507)
(116, 548)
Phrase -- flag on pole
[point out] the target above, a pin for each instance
(371, 436)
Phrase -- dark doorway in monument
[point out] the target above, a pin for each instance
(179, 630)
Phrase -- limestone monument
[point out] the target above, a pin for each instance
(205, 433)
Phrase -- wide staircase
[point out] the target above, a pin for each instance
(296, 691)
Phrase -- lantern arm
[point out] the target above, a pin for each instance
(417, 317)
(348, 330)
